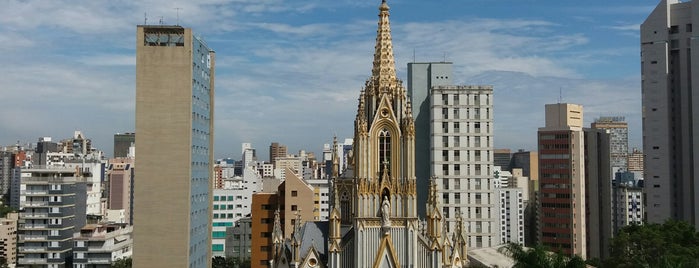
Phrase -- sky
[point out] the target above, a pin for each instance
(290, 71)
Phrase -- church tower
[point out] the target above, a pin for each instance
(374, 221)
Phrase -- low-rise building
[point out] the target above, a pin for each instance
(100, 245)
(239, 240)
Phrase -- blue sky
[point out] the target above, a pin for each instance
(291, 71)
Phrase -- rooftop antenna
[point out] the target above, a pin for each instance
(178, 15)
(161, 20)
(560, 95)
(445, 57)
(145, 18)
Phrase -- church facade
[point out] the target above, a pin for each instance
(373, 219)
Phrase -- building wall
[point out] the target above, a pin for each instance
(562, 184)
(263, 207)
(120, 173)
(174, 119)
(296, 197)
(122, 142)
(462, 159)
(598, 187)
(238, 239)
(53, 205)
(619, 139)
(421, 78)
(8, 238)
(669, 63)
(511, 215)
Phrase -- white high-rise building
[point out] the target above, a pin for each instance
(462, 159)
(511, 215)
(669, 64)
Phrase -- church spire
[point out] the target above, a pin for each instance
(384, 68)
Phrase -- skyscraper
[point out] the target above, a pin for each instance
(598, 187)
(669, 64)
(562, 180)
(422, 76)
(174, 122)
(461, 156)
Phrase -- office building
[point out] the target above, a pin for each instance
(7, 169)
(502, 158)
(276, 150)
(422, 76)
(100, 245)
(635, 162)
(122, 143)
(669, 67)
(562, 180)
(619, 139)
(462, 159)
(174, 122)
(265, 207)
(53, 208)
(599, 148)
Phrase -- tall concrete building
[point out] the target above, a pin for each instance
(174, 122)
(599, 147)
(635, 161)
(120, 172)
(619, 140)
(122, 143)
(562, 180)
(462, 158)
(276, 150)
(422, 76)
(669, 66)
(53, 208)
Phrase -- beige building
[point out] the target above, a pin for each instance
(276, 150)
(8, 238)
(120, 172)
(562, 180)
(174, 126)
(100, 245)
(635, 160)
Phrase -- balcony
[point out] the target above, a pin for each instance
(23, 261)
(34, 192)
(35, 204)
(99, 261)
(34, 226)
(32, 249)
(32, 237)
(33, 215)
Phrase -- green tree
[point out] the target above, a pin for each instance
(671, 244)
(538, 257)
(122, 263)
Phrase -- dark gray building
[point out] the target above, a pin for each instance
(598, 192)
(52, 208)
(422, 76)
(122, 142)
(238, 239)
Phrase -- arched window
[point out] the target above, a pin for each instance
(384, 151)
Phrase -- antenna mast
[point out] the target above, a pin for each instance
(145, 18)
(177, 9)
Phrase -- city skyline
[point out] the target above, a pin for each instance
(289, 71)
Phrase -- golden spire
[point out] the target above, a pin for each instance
(384, 64)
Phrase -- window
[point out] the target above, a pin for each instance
(456, 96)
(215, 198)
(217, 247)
(218, 234)
(689, 28)
(294, 207)
(445, 169)
(674, 29)
(445, 141)
(456, 127)
(294, 193)
(384, 149)
(445, 99)
(445, 113)
(456, 113)
(445, 155)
